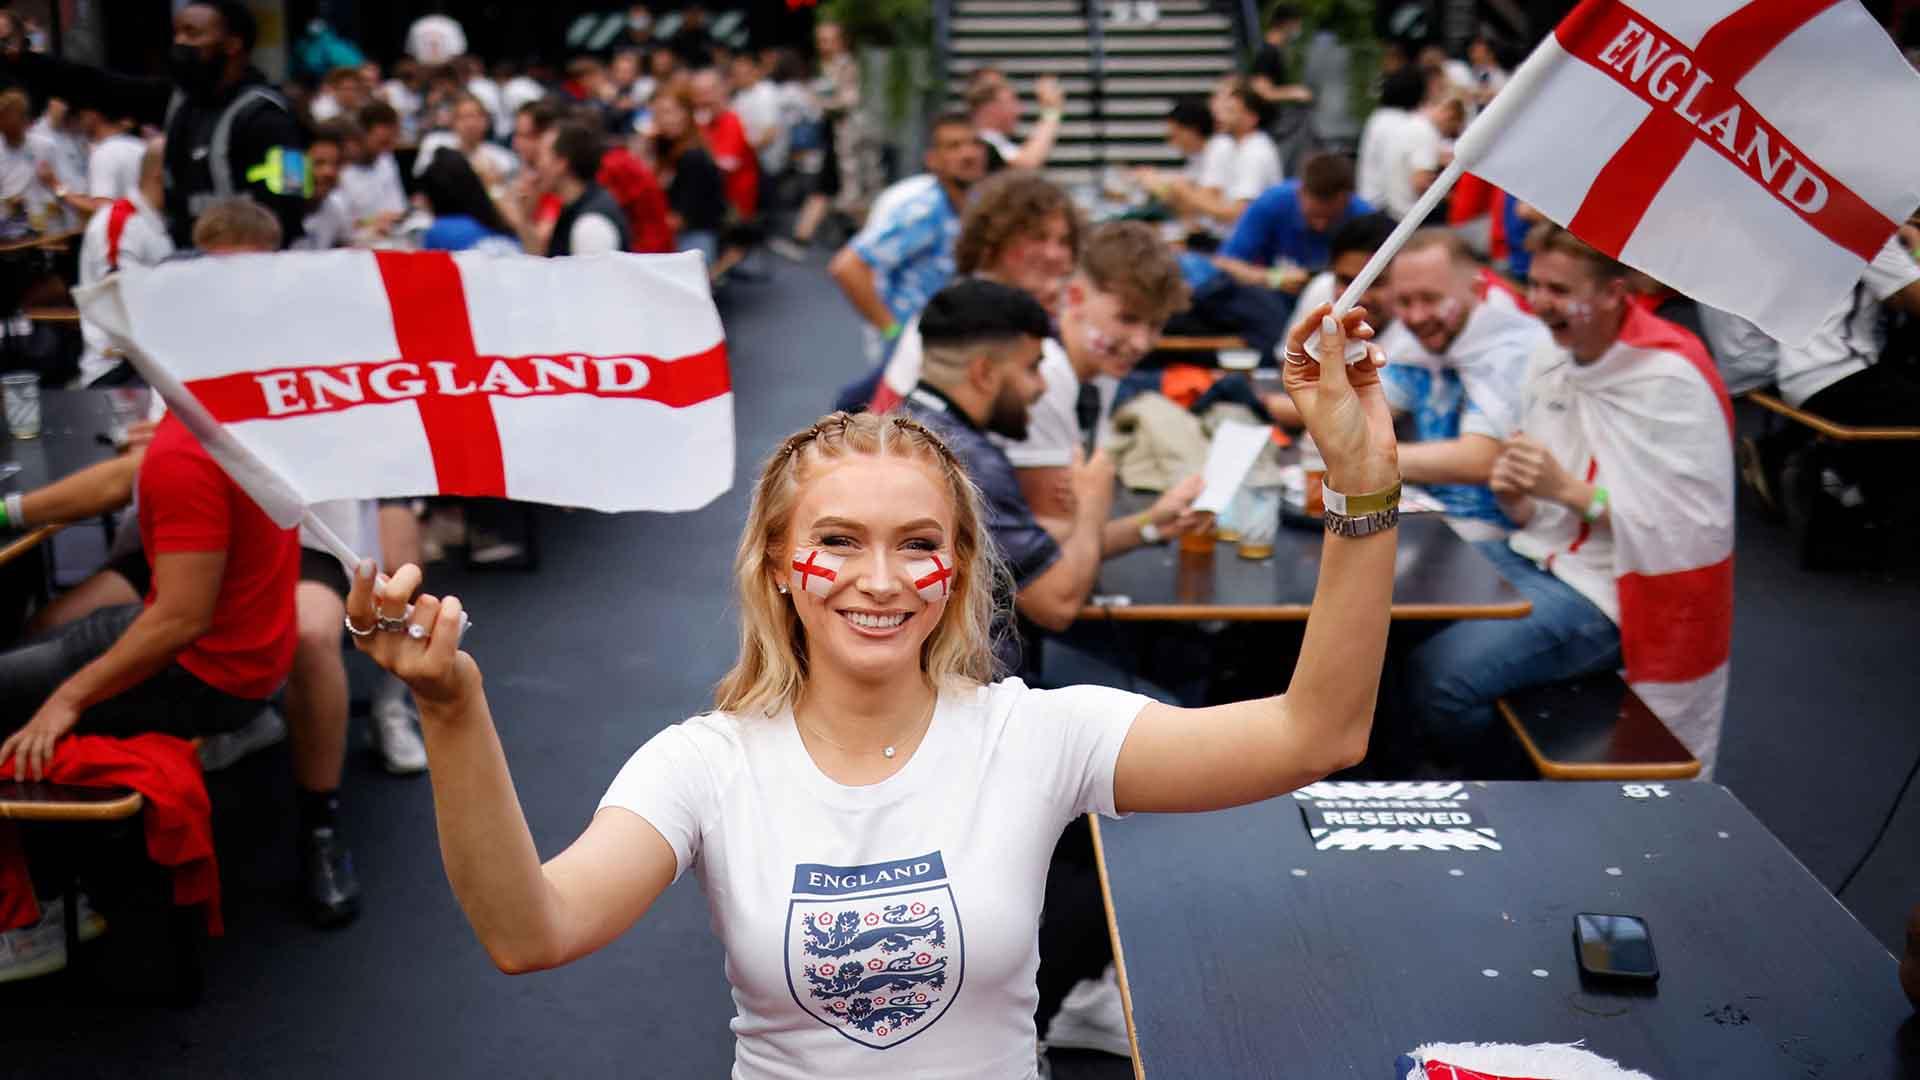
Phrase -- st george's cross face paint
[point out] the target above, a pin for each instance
(815, 570)
(932, 577)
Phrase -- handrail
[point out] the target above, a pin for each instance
(1097, 109)
(1246, 30)
(942, 39)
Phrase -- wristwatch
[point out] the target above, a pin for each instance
(1364, 524)
(1150, 533)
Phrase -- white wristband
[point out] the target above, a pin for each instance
(16, 517)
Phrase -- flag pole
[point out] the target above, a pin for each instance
(1468, 149)
(337, 547)
(1415, 218)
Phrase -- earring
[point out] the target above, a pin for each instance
(782, 588)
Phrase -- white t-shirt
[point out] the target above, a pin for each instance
(113, 166)
(486, 158)
(1409, 144)
(1212, 168)
(144, 241)
(374, 189)
(1748, 359)
(1370, 168)
(327, 226)
(1053, 426)
(593, 234)
(1002, 144)
(920, 893)
(758, 108)
(355, 521)
(1256, 166)
(1849, 337)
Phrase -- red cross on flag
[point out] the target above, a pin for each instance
(1753, 154)
(597, 382)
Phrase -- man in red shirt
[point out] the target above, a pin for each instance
(213, 639)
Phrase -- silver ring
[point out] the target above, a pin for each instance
(417, 632)
(1303, 360)
(356, 631)
(392, 623)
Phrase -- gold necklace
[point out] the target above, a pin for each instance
(886, 751)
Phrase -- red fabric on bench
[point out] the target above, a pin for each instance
(179, 817)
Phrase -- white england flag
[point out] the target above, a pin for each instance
(1753, 154)
(598, 381)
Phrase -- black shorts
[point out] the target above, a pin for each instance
(133, 566)
(323, 569)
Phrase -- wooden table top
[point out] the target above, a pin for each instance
(1248, 949)
(70, 423)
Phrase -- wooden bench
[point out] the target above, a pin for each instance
(1178, 343)
(54, 316)
(1595, 728)
(1829, 429)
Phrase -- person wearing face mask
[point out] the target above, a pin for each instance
(228, 131)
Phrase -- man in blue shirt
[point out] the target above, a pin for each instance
(1281, 240)
(896, 265)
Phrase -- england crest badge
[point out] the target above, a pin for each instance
(875, 952)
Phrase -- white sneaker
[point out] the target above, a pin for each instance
(1091, 1018)
(396, 736)
(220, 751)
(32, 951)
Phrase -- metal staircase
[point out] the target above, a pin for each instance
(1120, 79)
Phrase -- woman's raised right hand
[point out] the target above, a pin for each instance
(419, 644)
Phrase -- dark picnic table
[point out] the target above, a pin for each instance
(1248, 952)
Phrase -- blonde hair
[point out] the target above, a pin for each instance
(772, 667)
(236, 222)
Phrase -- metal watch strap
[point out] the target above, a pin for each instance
(1363, 504)
(1364, 524)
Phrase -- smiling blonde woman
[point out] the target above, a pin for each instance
(869, 814)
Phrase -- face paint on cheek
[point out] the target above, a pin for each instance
(815, 570)
(1577, 311)
(932, 577)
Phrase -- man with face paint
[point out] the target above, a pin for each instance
(1456, 364)
(1620, 483)
(1112, 310)
(1457, 373)
(260, 149)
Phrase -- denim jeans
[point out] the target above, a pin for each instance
(1454, 677)
(172, 702)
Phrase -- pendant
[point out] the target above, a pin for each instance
(886, 751)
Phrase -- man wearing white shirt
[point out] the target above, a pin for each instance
(995, 107)
(329, 221)
(1199, 190)
(374, 193)
(1838, 375)
(1126, 287)
(1256, 160)
(130, 232)
(492, 162)
(1411, 152)
(757, 104)
(113, 162)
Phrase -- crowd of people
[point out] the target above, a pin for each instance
(676, 144)
(1570, 416)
